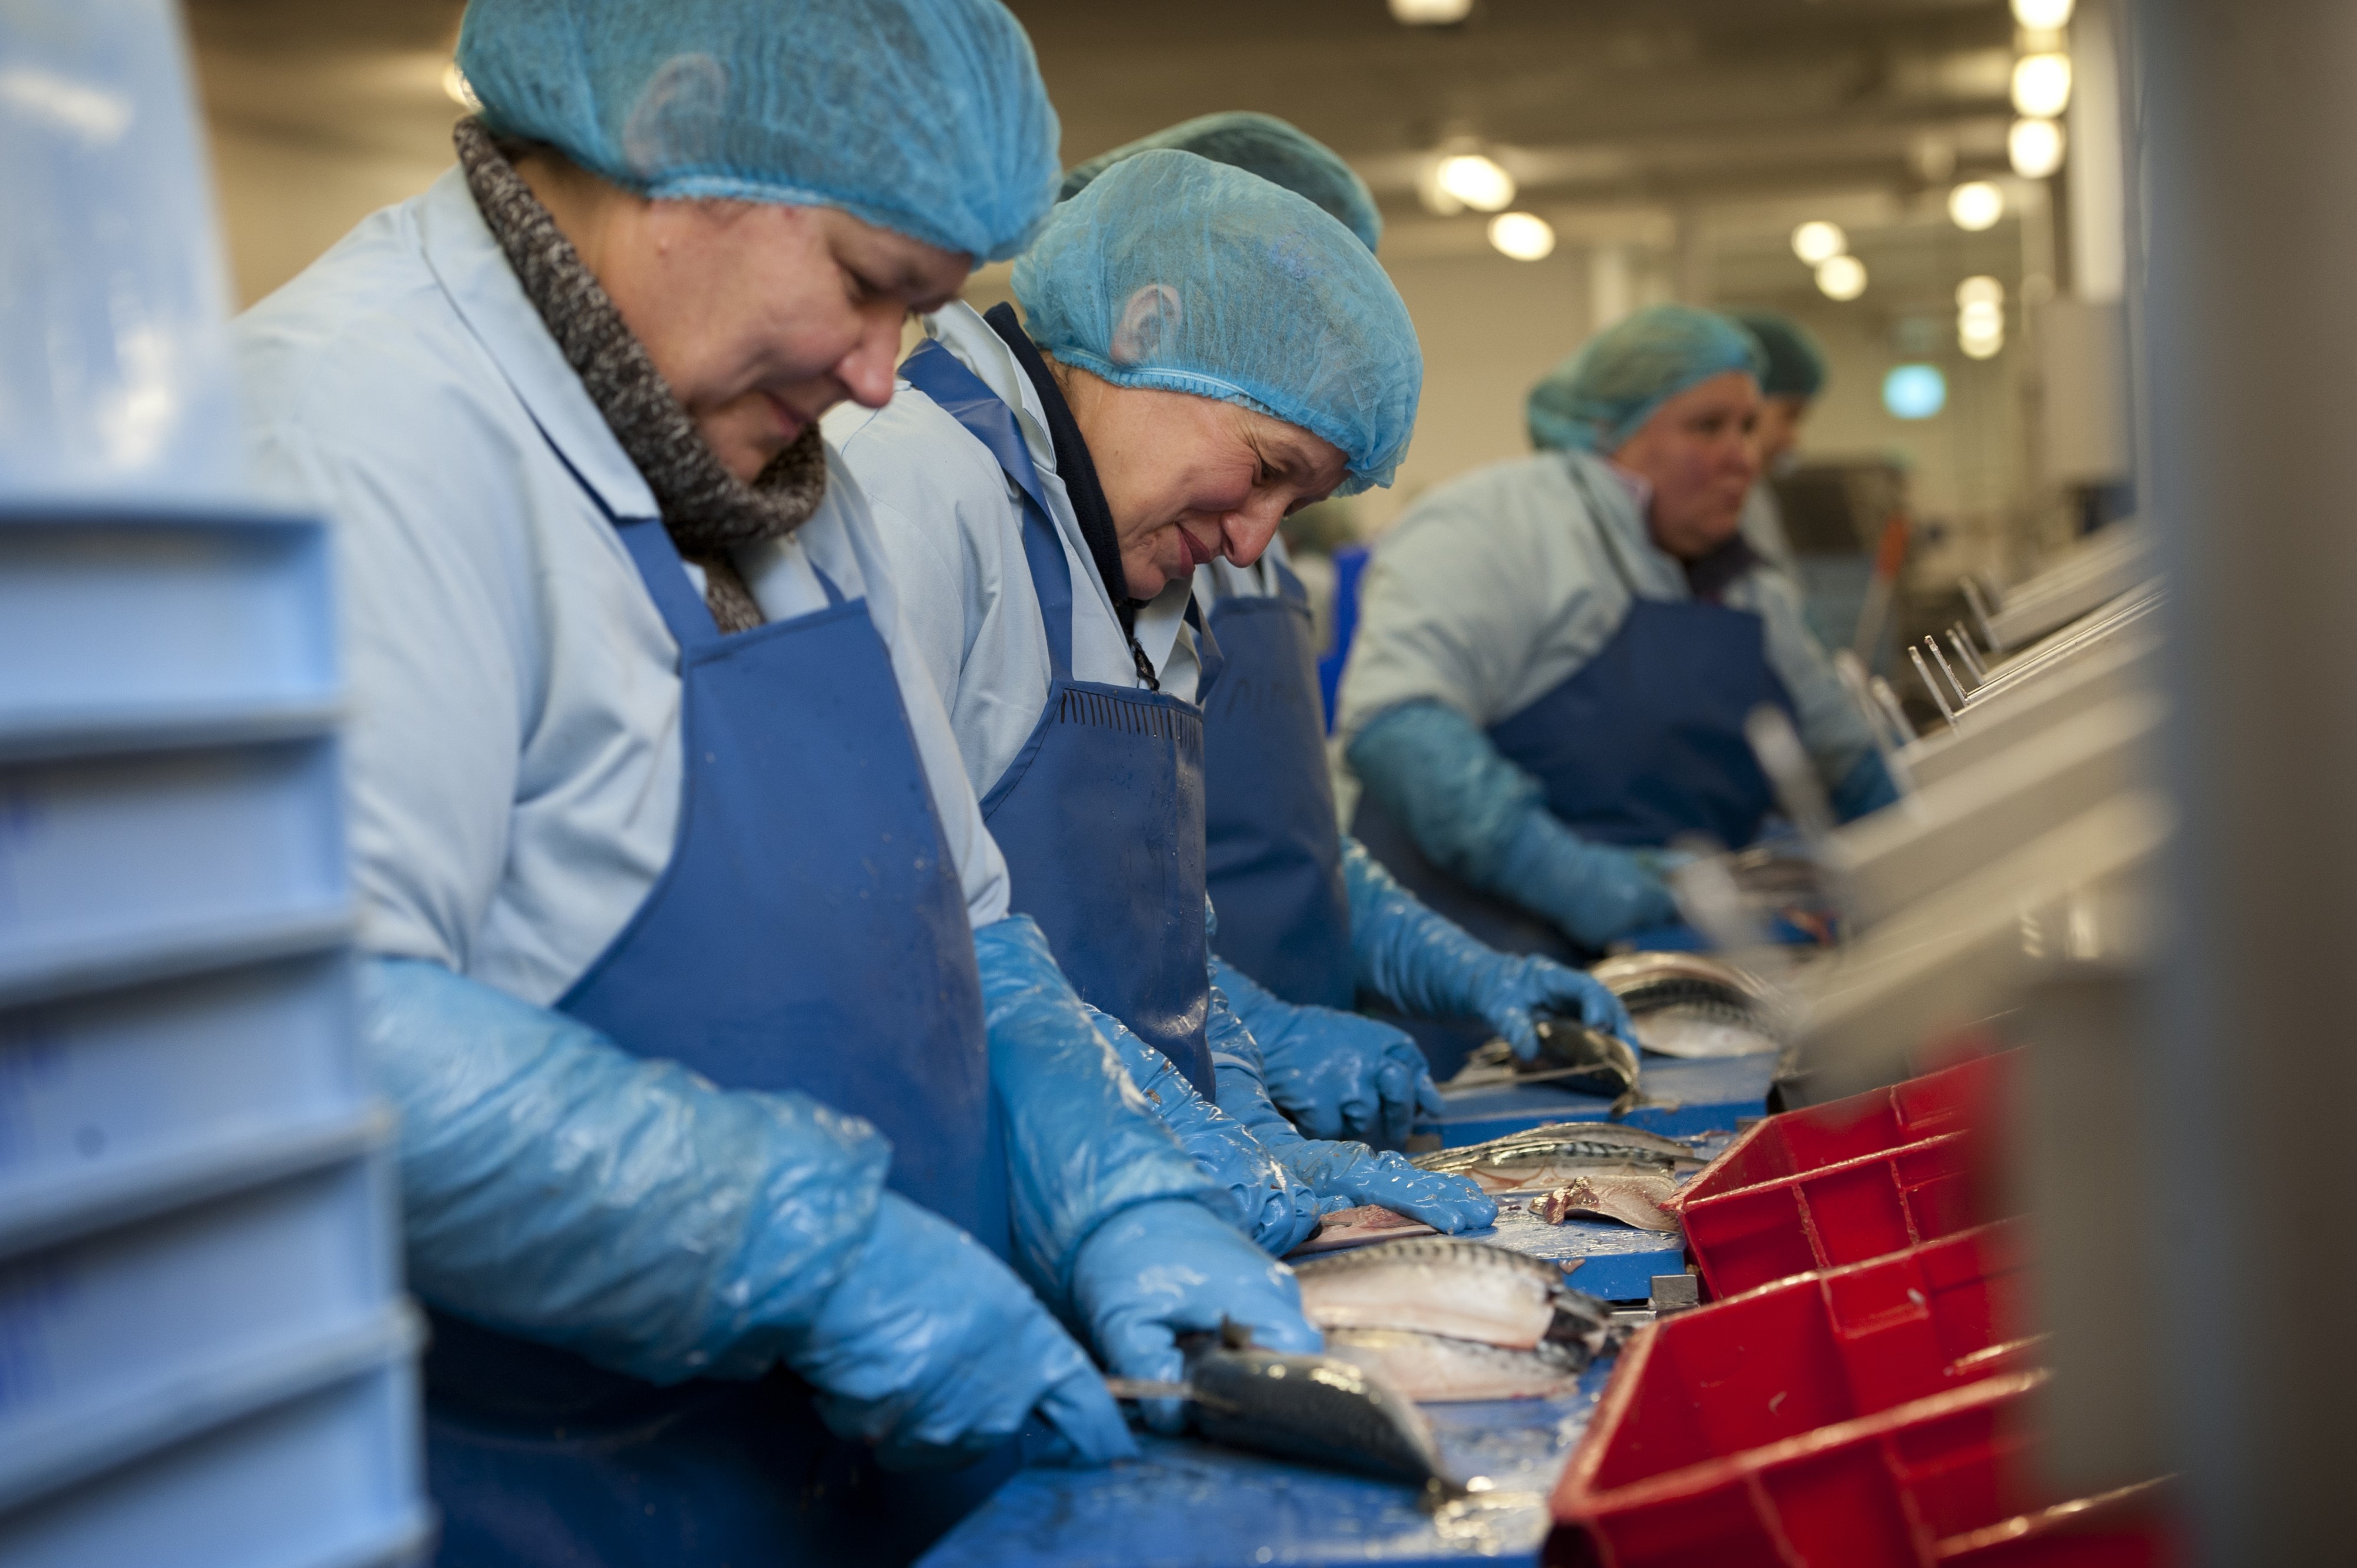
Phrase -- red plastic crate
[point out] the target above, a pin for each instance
(1846, 1181)
(1855, 1418)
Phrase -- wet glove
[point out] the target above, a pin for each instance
(1425, 966)
(1478, 817)
(1163, 1269)
(557, 1187)
(1263, 1199)
(1334, 1074)
(1083, 1143)
(1865, 788)
(1343, 1176)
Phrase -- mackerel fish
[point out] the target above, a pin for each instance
(1322, 1408)
(1460, 1290)
(1431, 1368)
(1553, 1155)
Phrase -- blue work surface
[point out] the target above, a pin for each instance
(1692, 1098)
(1189, 1505)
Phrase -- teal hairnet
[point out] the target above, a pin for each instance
(1171, 271)
(1796, 360)
(1262, 145)
(1597, 399)
(927, 117)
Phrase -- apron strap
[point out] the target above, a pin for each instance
(964, 397)
(1288, 585)
(826, 584)
(1603, 534)
(665, 575)
(1208, 659)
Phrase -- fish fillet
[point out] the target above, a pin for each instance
(1462, 1290)
(1634, 1197)
(1432, 1370)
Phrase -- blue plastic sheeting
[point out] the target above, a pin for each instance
(1189, 1505)
(1692, 1098)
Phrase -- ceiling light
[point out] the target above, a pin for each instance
(458, 90)
(1981, 290)
(1841, 278)
(1914, 391)
(1475, 180)
(2028, 12)
(1980, 345)
(2035, 146)
(1975, 205)
(1526, 236)
(1433, 13)
(1818, 241)
(2041, 85)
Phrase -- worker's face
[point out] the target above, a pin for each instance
(1697, 452)
(1779, 430)
(1191, 479)
(763, 318)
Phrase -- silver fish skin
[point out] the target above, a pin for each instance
(1703, 1030)
(1317, 1408)
(1567, 1143)
(1431, 1368)
(1462, 1290)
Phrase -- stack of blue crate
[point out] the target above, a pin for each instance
(205, 1355)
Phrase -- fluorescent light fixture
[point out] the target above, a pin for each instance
(2041, 85)
(1433, 13)
(1981, 346)
(1818, 241)
(1526, 236)
(2035, 147)
(2044, 14)
(1975, 205)
(1476, 180)
(1841, 278)
(1914, 391)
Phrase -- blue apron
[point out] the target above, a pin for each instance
(1101, 814)
(809, 933)
(1275, 848)
(1640, 743)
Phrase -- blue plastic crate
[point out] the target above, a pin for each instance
(161, 1321)
(116, 1082)
(328, 1477)
(102, 858)
(109, 622)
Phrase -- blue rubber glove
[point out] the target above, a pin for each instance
(1158, 1271)
(1868, 787)
(1482, 819)
(1334, 1075)
(1082, 1143)
(1425, 966)
(557, 1187)
(1343, 1176)
(1262, 1200)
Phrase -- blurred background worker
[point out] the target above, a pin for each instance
(1306, 917)
(1792, 376)
(1201, 351)
(733, 1103)
(1556, 656)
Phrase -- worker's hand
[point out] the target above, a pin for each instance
(1348, 1175)
(1596, 892)
(1334, 1074)
(1263, 1199)
(1338, 1074)
(1163, 1269)
(933, 1350)
(1510, 990)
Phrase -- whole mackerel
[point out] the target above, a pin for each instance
(1462, 1290)
(1550, 1154)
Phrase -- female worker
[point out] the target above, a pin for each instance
(680, 902)
(1306, 915)
(1555, 656)
(1203, 352)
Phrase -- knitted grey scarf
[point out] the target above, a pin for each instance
(707, 511)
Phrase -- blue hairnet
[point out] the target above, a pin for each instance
(927, 117)
(1597, 399)
(1796, 360)
(1262, 145)
(1174, 272)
